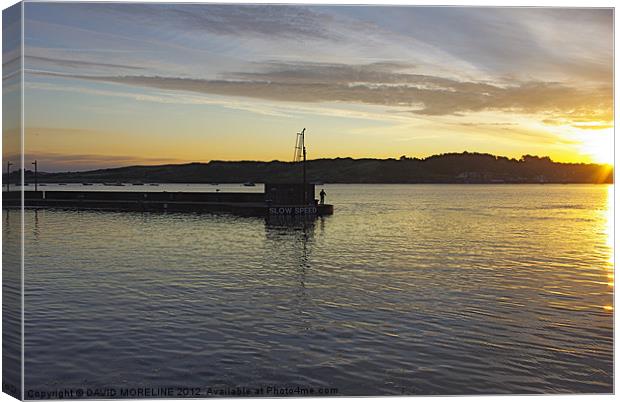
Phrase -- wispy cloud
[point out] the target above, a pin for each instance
(455, 74)
(236, 20)
(163, 97)
(384, 84)
(79, 63)
(55, 162)
(276, 109)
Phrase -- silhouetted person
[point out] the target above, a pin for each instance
(322, 194)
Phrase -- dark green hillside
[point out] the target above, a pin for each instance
(446, 168)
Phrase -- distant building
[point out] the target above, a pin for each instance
(474, 177)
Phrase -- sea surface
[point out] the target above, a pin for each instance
(406, 289)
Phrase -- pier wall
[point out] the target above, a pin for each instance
(236, 203)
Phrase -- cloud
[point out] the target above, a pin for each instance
(159, 97)
(55, 162)
(479, 124)
(583, 123)
(79, 63)
(278, 109)
(237, 20)
(335, 73)
(586, 126)
(386, 84)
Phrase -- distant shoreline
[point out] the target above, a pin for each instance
(30, 185)
(453, 168)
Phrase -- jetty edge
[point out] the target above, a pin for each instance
(278, 199)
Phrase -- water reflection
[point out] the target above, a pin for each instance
(298, 232)
(609, 215)
(609, 232)
(11, 303)
(406, 289)
(35, 228)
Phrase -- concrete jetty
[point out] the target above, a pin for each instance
(277, 199)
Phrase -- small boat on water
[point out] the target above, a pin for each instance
(61, 184)
(87, 184)
(137, 184)
(249, 184)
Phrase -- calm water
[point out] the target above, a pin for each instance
(416, 289)
(224, 187)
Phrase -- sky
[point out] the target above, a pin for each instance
(113, 84)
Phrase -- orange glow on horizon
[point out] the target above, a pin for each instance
(599, 146)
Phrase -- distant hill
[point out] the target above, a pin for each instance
(463, 167)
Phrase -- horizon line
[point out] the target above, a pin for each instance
(424, 158)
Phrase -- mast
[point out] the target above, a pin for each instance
(8, 175)
(36, 179)
(300, 156)
(303, 143)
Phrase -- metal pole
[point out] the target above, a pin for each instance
(36, 181)
(303, 139)
(8, 175)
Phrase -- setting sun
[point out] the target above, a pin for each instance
(599, 146)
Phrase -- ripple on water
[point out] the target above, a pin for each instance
(403, 290)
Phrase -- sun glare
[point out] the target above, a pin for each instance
(599, 146)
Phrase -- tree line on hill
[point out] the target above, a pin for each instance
(463, 167)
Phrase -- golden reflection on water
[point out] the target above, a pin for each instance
(609, 215)
(501, 289)
(609, 237)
